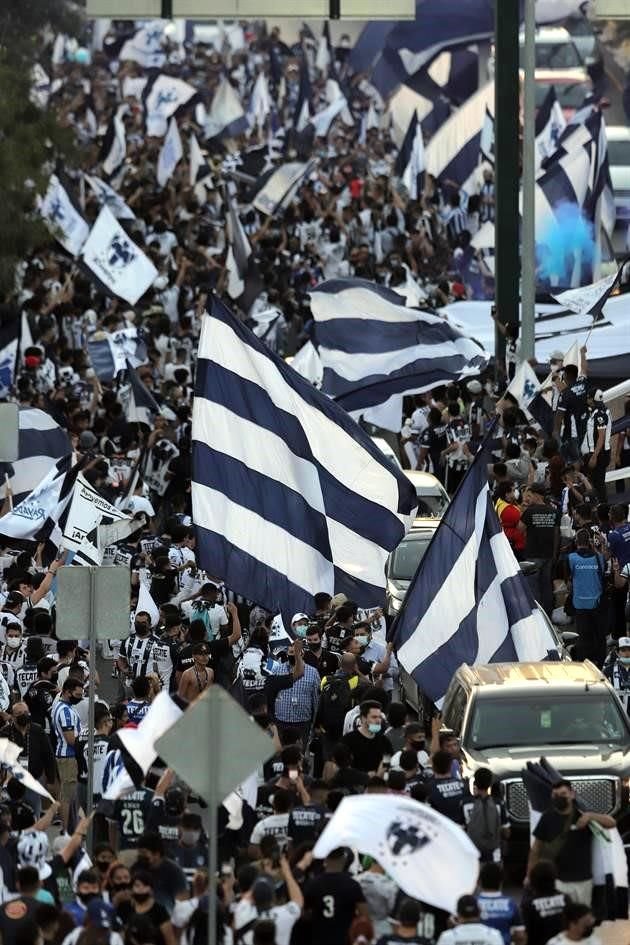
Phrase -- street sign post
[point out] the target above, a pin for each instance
(612, 9)
(9, 433)
(234, 748)
(95, 600)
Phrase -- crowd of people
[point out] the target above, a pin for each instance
(326, 689)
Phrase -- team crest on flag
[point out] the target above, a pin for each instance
(406, 836)
(119, 253)
(116, 262)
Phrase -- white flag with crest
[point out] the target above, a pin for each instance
(115, 260)
(165, 96)
(62, 218)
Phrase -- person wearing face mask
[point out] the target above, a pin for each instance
(40, 695)
(367, 743)
(66, 726)
(562, 835)
(618, 672)
(165, 813)
(325, 662)
(414, 740)
(144, 910)
(296, 707)
(191, 851)
(12, 652)
(88, 888)
(579, 925)
(37, 756)
(167, 880)
(136, 652)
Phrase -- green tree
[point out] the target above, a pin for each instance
(30, 138)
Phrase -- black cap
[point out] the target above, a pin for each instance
(468, 908)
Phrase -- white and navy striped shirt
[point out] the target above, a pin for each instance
(599, 419)
(65, 719)
(138, 651)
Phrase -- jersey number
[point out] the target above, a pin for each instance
(132, 822)
(329, 907)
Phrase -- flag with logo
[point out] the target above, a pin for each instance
(63, 217)
(427, 855)
(170, 154)
(226, 118)
(279, 185)
(145, 46)
(108, 197)
(114, 146)
(88, 509)
(41, 442)
(118, 266)
(109, 352)
(36, 516)
(162, 97)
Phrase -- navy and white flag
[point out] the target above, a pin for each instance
(170, 154)
(142, 406)
(244, 282)
(453, 151)
(526, 391)
(109, 352)
(39, 511)
(468, 601)
(162, 97)
(279, 185)
(325, 52)
(372, 346)
(88, 509)
(117, 264)
(590, 299)
(289, 495)
(41, 442)
(14, 334)
(146, 46)
(550, 123)
(199, 169)
(63, 217)
(226, 118)
(114, 146)
(486, 142)
(40, 86)
(563, 181)
(409, 165)
(107, 197)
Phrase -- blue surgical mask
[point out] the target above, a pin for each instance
(301, 631)
(362, 641)
(625, 660)
(374, 728)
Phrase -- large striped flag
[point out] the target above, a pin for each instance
(37, 516)
(41, 442)
(290, 497)
(372, 346)
(468, 601)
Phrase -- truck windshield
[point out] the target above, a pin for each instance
(562, 720)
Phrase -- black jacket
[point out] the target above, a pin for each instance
(40, 754)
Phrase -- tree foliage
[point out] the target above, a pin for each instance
(30, 139)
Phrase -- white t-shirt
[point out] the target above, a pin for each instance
(138, 503)
(471, 933)
(276, 825)
(284, 918)
(73, 937)
(215, 616)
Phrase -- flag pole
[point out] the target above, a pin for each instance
(9, 491)
(528, 249)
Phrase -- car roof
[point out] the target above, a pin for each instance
(424, 480)
(617, 133)
(423, 530)
(543, 673)
(561, 76)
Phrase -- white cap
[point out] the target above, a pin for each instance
(297, 617)
(474, 387)
(599, 396)
(623, 642)
(556, 356)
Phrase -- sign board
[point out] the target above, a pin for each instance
(218, 723)
(612, 9)
(251, 9)
(110, 606)
(9, 432)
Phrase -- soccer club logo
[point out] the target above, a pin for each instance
(120, 253)
(529, 391)
(165, 97)
(405, 836)
(57, 214)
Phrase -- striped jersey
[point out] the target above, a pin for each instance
(65, 719)
(138, 651)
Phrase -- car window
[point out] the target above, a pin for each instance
(558, 720)
(406, 558)
(431, 504)
(454, 710)
(619, 153)
(557, 56)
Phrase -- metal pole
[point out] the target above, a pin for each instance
(91, 700)
(213, 809)
(506, 162)
(528, 246)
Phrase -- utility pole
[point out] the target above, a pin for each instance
(507, 168)
(528, 247)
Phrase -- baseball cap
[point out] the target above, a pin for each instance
(598, 395)
(100, 914)
(623, 642)
(467, 907)
(297, 617)
(556, 356)
(338, 600)
(87, 440)
(474, 387)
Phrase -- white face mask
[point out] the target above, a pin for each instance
(14, 642)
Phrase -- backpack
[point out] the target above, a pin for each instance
(484, 826)
(335, 702)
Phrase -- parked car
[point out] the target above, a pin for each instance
(507, 714)
(584, 36)
(571, 85)
(432, 496)
(403, 563)
(555, 49)
(618, 137)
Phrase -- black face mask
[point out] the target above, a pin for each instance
(587, 932)
(291, 660)
(74, 700)
(262, 720)
(141, 897)
(102, 866)
(314, 646)
(86, 898)
(418, 746)
(141, 629)
(561, 804)
(143, 863)
(121, 887)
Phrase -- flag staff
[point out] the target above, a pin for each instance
(528, 244)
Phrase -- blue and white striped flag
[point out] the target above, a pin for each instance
(372, 347)
(109, 351)
(41, 442)
(453, 151)
(409, 165)
(290, 497)
(108, 197)
(142, 406)
(278, 186)
(468, 601)
(37, 515)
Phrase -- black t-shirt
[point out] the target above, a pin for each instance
(393, 939)
(15, 915)
(542, 916)
(130, 814)
(216, 649)
(367, 753)
(159, 821)
(326, 663)
(350, 778)
(446, 796)
(335, 636)
(332, 900)
(541, 522)
(573, 402)
(434, 440)
(169, 882)
(306, 822)
(39, 700)
(156, 916)
(570, 849)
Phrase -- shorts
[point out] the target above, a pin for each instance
(68, 772)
